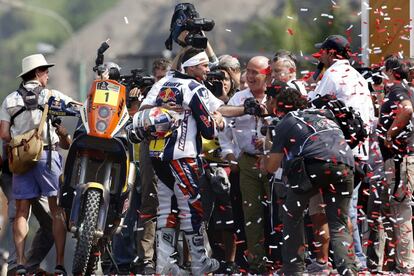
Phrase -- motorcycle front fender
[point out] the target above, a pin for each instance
(77, 204)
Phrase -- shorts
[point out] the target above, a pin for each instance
(40, 180)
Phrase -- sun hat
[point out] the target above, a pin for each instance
(32, 62)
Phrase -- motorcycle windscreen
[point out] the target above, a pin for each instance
(106, 108)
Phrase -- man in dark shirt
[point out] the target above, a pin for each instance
(396, 140)
(328, 163)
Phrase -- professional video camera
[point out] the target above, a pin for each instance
(186, 18)
(213, 82)
(137, 79)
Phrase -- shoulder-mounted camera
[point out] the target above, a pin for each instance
(186, 18)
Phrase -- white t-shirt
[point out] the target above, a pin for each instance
(348, 85)
(240, 132)
(29, 119)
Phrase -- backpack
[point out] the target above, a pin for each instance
(346, 117)
(30, 99)
(25, 150)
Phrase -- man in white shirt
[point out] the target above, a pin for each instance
(17, 117)
(347, 84)
(241, 144)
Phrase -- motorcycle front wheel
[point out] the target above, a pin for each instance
(86, 232)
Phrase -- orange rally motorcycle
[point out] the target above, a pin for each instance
(99, 173)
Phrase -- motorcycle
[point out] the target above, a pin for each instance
(99, 172)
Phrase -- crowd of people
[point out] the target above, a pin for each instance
(253, 179)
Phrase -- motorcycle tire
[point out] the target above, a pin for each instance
(93, 260)
(86, 232)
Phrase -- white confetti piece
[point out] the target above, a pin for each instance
(126, 20)
(228, 30)
(304, 9)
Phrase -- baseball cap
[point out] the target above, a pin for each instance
(335, 42)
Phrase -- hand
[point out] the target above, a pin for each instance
(61, 131)
(262, 165)
(105, 76)
(218, 118)
(135, 92)
(173, 106)
(258, 143)
(182, 36)
(263, 109)
(388, 144)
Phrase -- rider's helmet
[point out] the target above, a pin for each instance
(157, 122)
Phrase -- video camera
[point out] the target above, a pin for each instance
(213, 82)
(186, 18)
(137, 79)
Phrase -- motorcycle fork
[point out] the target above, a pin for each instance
(83, 187)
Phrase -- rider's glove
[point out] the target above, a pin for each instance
(135, 136)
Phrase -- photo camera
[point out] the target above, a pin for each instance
(186, 18)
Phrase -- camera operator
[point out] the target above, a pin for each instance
(311, 144)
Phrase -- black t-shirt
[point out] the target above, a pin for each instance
(404, 141)
(312, 135)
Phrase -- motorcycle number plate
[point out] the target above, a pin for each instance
(106, 97)
(156, 147)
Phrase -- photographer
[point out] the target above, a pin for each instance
(308, 141)
(222, 80)
(216, 184)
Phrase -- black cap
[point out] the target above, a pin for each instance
(335, 42)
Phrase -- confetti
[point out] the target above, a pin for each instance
(126, 20)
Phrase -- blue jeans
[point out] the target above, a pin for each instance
(123, 243)
(353, 215)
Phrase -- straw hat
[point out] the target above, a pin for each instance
(32, 62)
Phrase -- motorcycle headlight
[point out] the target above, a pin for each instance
(101, 126)
(103, 112)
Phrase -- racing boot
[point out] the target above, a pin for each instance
(200, 262)
(166, 240)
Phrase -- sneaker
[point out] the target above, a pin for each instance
(60, 271)
(143, 268)
(206, 266)
(317, 267)
(231, 268)
(21, 270)
(41, 272)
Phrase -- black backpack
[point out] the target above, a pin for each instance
(30, 99)
(346, 117)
